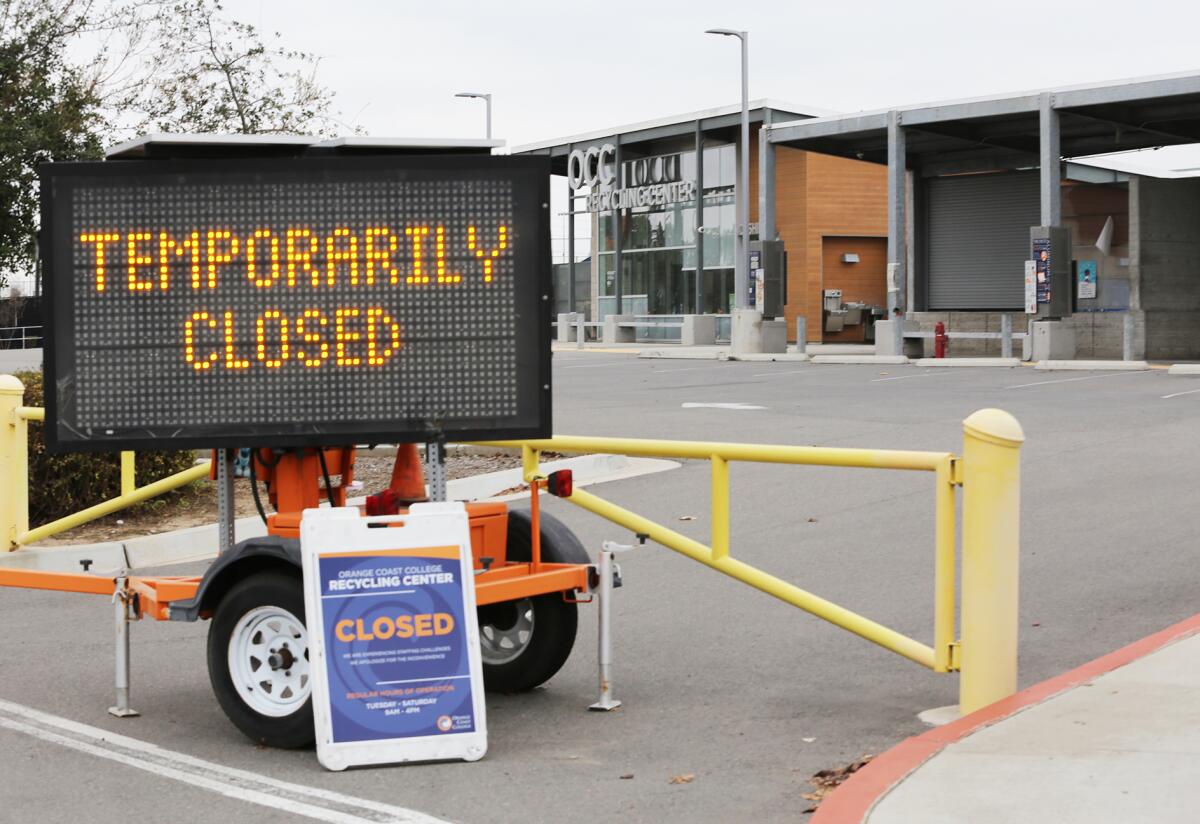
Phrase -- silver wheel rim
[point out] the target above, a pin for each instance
(268, 661)
(500, 646)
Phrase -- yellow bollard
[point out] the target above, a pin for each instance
(991, 477)
(14, 464)
(128, 475)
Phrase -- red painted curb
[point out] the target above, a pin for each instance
(850, 803)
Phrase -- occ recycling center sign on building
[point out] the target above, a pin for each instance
(314, 300)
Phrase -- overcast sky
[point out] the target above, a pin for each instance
(559, 68)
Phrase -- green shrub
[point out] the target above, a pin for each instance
(66, 483)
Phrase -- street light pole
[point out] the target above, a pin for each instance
(486, 98)
(741, 272)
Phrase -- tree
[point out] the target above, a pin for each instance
(49, 110)
(146, 65)
(209, 73)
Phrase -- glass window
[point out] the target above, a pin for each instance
(719, 167)
(718, 289)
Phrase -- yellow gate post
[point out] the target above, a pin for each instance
(991, 480)
(14, 503)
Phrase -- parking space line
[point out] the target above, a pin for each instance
(1084, 378)
(242, 785)
(687, 369)
(1177, 394)
(594, 365)
(809, 370)
(906, 377)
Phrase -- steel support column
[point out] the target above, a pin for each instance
(699, 286)
(766, 181)
(897, 226)
(1050, 153)
(570, 241)
(616, 213)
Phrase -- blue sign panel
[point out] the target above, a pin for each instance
(396, 644)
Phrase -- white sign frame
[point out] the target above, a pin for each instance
(1031, 287)
(326, 533)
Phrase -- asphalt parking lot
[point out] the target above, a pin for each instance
(720, 682)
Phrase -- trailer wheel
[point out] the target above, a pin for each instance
(258, 660)
(525, 642)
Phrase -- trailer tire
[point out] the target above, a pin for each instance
(525, 642)
(263, 615)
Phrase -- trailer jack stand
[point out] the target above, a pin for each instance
(121, 606)
(604, 595)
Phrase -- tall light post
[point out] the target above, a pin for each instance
(487, 98)
(741, 271)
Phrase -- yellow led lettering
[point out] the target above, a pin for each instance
(487, 255)
(333, 255)
(189, 341)
(216, 256)
(418, 271)
(168, 246)
(301, 259)
(439, 245)
(99, 239)
(344, 336)
(307, 334)
(231, 360)
(380, 258)
(260, 334)
(134, 258)
(375, 320)
(252, 267)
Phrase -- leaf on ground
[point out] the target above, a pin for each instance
(687, 517)
(627, 776)
(826, 781)
(812, 520)
(685, 778)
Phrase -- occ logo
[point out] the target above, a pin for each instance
(444, 723)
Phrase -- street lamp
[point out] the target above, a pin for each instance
(741, 272)
(487, 98)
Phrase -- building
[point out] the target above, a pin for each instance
(650, 255)
(977, 188)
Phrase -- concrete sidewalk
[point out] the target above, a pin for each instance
(1114, 740)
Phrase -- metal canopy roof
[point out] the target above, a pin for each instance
(673, 126)
(288, 145)
(1003, 131)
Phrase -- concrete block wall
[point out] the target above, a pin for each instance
(1164, 239)
(1098, 335)
(968, 322)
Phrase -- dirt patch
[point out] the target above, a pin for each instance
(196, 504)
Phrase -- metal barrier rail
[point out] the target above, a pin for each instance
(986, 655)
(14, 467)
(8, 337)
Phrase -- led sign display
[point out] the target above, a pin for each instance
(296, 301)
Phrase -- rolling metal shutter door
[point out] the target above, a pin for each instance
(978, 239)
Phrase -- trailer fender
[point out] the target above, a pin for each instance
(246, 558)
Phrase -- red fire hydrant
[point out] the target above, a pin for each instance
(940, 340)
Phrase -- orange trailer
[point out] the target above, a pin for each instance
(530, 573)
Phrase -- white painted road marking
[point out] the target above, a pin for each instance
(594, 365)
(1177, 394)
(1084, 378)
(736, 406)
(310, 802)
(906, 377)
(688, 369)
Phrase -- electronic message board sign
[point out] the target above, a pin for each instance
(299, 301)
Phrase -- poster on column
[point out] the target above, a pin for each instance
(396, 668)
